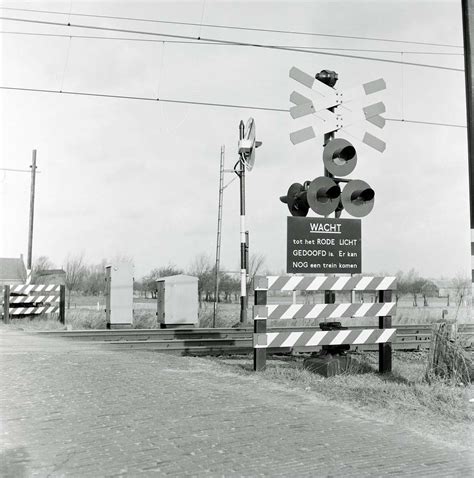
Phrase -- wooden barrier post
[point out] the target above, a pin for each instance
(6, 304)
(62, 304)
(260, 327)
(385, 349)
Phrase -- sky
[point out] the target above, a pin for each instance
(140, 179)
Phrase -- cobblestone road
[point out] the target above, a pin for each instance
(73, 409)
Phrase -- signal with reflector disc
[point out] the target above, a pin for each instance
(340, 157)
(358, 198)
(323, 195)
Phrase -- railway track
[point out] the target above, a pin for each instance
(231, 340)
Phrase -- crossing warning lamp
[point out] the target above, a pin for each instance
(324, 194)
(358, 198)
(339, 157)
(329, 110)
(296, 200)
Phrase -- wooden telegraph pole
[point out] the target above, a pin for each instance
(468, 30)
(32, 213)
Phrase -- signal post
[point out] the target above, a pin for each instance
(324, 245)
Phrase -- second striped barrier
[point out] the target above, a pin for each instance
(383, 310)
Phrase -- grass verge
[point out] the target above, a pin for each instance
(438, 410)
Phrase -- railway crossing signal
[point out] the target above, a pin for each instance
(246, 151)
(333, 109)
(248, 144)
(324, 194)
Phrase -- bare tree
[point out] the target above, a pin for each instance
(428, 289)
(148, 282)
(41, 263)
(462, 287)
(75, 270)
(202, 268)
(255, 265)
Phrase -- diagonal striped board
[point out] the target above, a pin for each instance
(357, 283)
(26, 299)
(34, 299)
(324, 311)
(34, 310)
(332, 337)
(28, 288)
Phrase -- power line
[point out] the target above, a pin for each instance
(427, 122)
(145, 98)
(230, 27)
(58, 35)
(18, 170)
(197, 103)
(229, 42)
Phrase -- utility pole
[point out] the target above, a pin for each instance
(219, 233)
(32, 213)
(468, 31)
(243, 251)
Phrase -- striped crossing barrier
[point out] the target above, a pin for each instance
(357, 283)
(33, 299)
(324, 311)
(383, 309)
(332, 337)
(28, 288)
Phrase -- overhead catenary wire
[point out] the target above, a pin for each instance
(230, 42)
(215, 43)
(231, 27)
(197, 103)
(18, 170)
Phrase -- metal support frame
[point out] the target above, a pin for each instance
(260, 327)
(219, 234)
(6, 304)
(385, 349)
(62, 304)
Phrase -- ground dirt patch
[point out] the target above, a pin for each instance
(438, 410)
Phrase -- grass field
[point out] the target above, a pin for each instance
(89, 313)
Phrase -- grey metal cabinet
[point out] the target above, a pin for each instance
(119, 295)
(177, 301)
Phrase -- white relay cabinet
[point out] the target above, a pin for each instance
(119, 295)
(177, 301)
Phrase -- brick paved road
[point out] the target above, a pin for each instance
(72, 409)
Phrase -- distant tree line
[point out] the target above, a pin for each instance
(418, 287)
(89, 279)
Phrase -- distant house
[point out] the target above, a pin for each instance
(445, 287)
(12, 271)
(50, 276)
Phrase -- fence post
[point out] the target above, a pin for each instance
(62, 304)
(385, 350)
(6, 304)
(260, 327)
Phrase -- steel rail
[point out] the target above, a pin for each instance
(201, 341)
